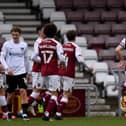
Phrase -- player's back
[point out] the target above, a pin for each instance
(69, 50)
(48, 54)
(36, 66)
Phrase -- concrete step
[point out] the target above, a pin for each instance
(24, 23)
(102, 113)
(29, 29)
(12, 5)
(30, 42)
(81, 80)
(79, 75)
(100, 107)
(99, 101)
(92, 94)
(20, 17)
(29, 36)
(16, 11)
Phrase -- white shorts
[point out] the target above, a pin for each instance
(2, 81)
(67, 83)
(37, 80)
(52, 82)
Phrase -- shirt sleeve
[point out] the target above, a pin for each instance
(78, 55)
(35, 51)
(60, 52)
(3, 56)
(123, 43)
(26, 60)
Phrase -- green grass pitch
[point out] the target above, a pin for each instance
(82, 121)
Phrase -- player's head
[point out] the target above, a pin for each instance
(39, 31)
(50, 30)
(71, 35)
(16, 32)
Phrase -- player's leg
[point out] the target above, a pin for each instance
(54, 85)
(23, 93)
(11, 83)
(68, 83)
(36, 85)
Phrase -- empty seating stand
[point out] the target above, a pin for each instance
(112, 41)
(107, 54)
(58, 18)
(1, 17)
(5, 28)
(96, 43)
(47, 7)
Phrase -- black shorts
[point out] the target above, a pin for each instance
(14, 82)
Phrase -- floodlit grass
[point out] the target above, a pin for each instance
(83, 121)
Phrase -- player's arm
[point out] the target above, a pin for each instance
(3, 61)
(26, 59)
(3, 56)
(60, 53)
(35, 56)
(118, 51)
(80, 59)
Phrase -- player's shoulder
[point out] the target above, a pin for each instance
(6, 43)
(72, 44)
(24, 43)
(55, 41)
(38, 40)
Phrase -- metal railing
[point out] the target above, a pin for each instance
(88, 88)
(118, 86)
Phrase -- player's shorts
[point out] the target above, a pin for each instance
(14, 82)
(67, 83)
(2, 81)
(52, 82)
(37, 80)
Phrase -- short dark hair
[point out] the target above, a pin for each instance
(71, 35)
(16, 29)
(38, 28)
(50, 30)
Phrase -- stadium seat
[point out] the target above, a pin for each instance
(92, 16)
(121, 16)
(102, 29)
(119, 29)
(81, 4)
(94, 4)
(90, 57)
(114, 4)
(74, 16)
(110, 86)
(81, 41)
(100, 72)
(106, 54)
(112, 41)
(59, 24)
(47, 7)
(63, 4)
(57, 16)
(90, 54)
(5, 28)
(35, 3)
(108, 16)
(96, 43)
(66, 27)
(84, 28)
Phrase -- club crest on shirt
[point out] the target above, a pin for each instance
(22, 48)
